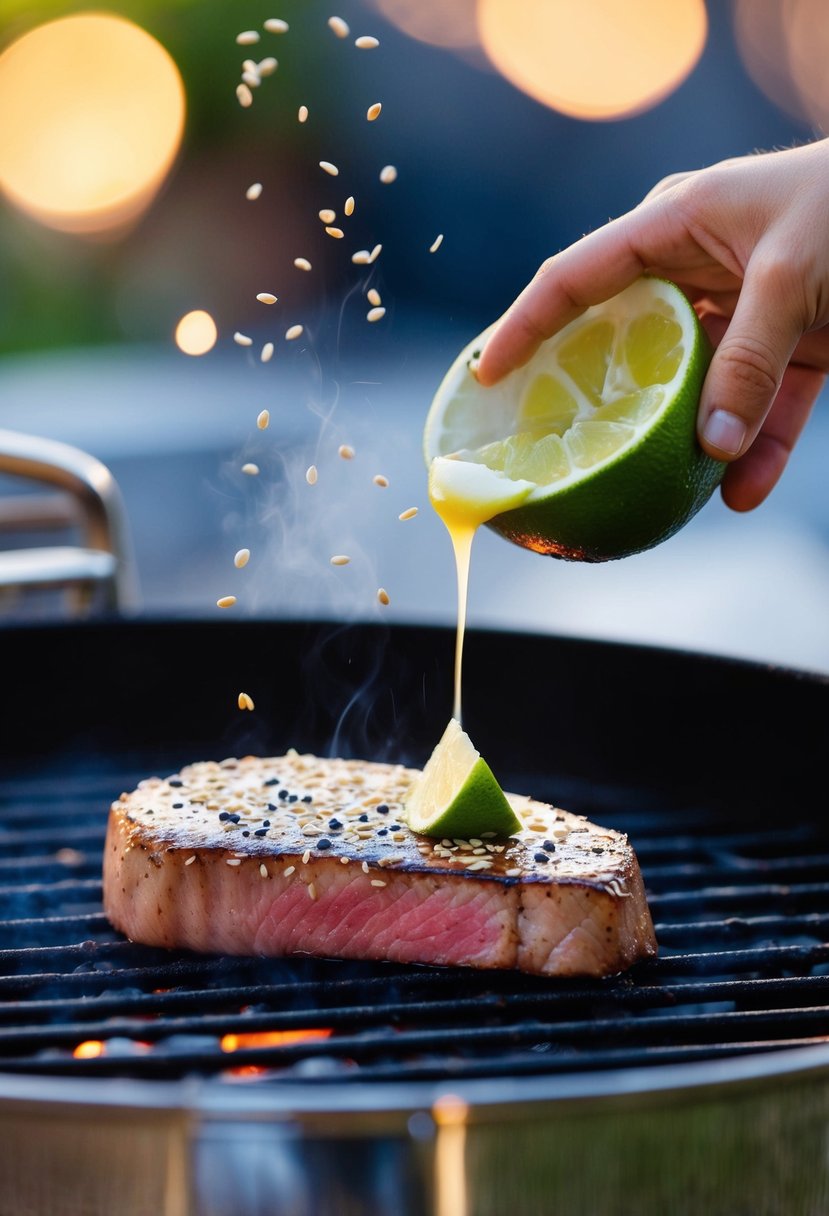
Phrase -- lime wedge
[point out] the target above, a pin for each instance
(457, 795)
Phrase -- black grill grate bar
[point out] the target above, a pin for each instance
(48, 865)
(91, 835)
(740, 870)
(787, 894)
(52, 891)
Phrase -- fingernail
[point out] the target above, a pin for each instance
(725, 431)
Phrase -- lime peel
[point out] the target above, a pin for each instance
(457, 794)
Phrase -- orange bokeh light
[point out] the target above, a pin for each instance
(446, 23)
(196, 333)
(98, 110)
(784, 45)
(594, 59)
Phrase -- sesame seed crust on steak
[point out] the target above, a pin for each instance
(275, 856)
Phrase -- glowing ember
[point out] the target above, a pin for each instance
(271, 1038)
(89, 1049)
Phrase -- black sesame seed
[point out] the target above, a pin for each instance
(323, 843)
(234, 818)
(261, 832)
(246, 833)
(334, 824)
(272, 781)
(177, 806)
(176, 785)
(364, 819)
(549, 846)
(383, 832)
(307, 798)
(223, 815)
(271, 806)
(382, 809)
(266, 823)
(283, 794)
(541, 857)
(597, 850)
(294, 798)
(395, 827)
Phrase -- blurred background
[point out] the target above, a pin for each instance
(153, 165)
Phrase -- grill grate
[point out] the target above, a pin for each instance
(741, 918)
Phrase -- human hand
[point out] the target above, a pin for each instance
(748, 242)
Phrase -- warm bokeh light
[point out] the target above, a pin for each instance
(594, 59)
(98, 110)
(784, 45)
(88, 1050)
(196, 332)
(446, 23)
(271, 1038)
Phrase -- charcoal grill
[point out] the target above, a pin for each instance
(697, 1082)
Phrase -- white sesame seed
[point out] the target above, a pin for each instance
(373, 112)
(361, 257)
(263, 419)
(226, 601)
(244, 701)
(251, 469)
(409, 513)
(275, 25)
(344, 861)
(311, 475)
(263, 870)
(340, 559)
(375, 253)
(241, 559)
(250, 65)
(302, 114)
(247, 38)
(366, 43)
(375, 314)
(242, 339)
(293, 331)
(339, 27)
(233, 861)
(302, 264)
(365, 867)
(436, 243)
(267, 67)
(388, 174)
(346, 451)
(381, 481)
(513, 873)
(267, 352)
(190, 859)
(327, 167)
(253, 191)
(306, 857)
(251, 79)
(266, 297)
(373, 297)
(337, 233)
(327, 215)
(348, 206)
(377, 882)
(290, 870)
(244, 96)
(383, 597)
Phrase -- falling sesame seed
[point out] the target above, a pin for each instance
(328, 168)
(375, 314)
(345, 451)
(244, 96)
(263, 420)
(302, 114)
(293, 331)
(190, 859)
(267, 67)
(361, 257)
(311, 475)
(263, 870)
(250, 65)
(409, 513)
(242, 339)
(388, 174)
(251, 79)
(383, 597)
(375, 253)
(253, 191)
(266, 297)
(373, 112)
(348, 206)
(290, 870)
(306, 857)
(436, 243)
(327, 215)
(302, 264)
(233, 861)
(267, 352)
(244, 701)
(366, 43)
(275, 25)
(339, 27)
(251, 469)
(377, 882)
(365, 867)
(381, 481)
(226, 601)
(373, 297)
(247, 38)
(340, 559)
(337, 233)
(241, 559)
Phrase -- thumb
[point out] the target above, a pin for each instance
(749, 363)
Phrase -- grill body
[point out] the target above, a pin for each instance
(695, 1083)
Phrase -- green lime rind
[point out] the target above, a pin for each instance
(640, 497)
(479, 806)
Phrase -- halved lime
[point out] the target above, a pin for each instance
(600, 425)
(457, 795)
